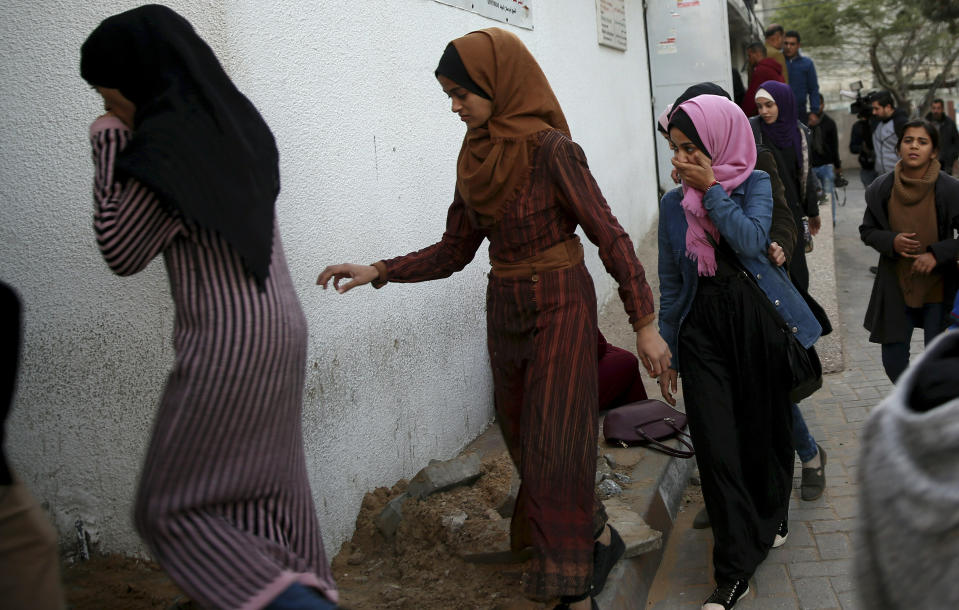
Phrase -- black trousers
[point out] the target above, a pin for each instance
(737, 402)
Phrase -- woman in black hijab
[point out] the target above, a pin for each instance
(186, 167)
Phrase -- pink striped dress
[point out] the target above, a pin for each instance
(224, 500)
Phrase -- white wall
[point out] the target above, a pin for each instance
(397, 376)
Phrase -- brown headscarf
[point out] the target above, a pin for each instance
(912, 209)
(496, 159)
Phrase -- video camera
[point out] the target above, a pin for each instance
(862, 106)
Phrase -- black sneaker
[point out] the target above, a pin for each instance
(726, 595)
(781, 535)
(605, 557)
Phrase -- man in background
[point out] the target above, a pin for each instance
(948, 136)
(802, 76)
(886, 125)
(774, 46)
(761, 69)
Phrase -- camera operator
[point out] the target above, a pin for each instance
(860, 140)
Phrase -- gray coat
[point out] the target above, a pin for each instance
(907, 543)
(886, 315)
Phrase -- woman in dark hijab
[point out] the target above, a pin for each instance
(187, 168)
(778, 128)
(522, 183)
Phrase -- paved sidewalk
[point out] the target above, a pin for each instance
(814, 568)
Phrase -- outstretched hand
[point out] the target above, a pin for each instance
(358, 274)
(653, 351)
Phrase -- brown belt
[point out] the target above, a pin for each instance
(563, 255)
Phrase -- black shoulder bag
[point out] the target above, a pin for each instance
(804, 365)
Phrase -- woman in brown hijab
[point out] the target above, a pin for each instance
(524, 184)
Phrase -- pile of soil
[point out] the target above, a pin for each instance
(421, 566)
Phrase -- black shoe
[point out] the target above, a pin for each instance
(814, 479)
(701, 520)
(781, 535)
(874, 270)
(605, 557)
(726, 595)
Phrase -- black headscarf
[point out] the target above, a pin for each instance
(452, 67)
(698, 89)
(198, 142)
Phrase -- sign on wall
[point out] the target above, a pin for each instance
(513, 12)
(611, 23)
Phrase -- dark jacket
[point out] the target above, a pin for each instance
(824, 143)
(886, 313)
(767, 69)
(10, 339)
(948, 141)
(783, 229)
(860, 143)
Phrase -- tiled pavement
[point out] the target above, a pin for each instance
(814, 568)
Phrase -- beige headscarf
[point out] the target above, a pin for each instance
(495, 160)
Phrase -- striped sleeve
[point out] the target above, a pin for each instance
(587, 204)
(447, 256)
(130, 224)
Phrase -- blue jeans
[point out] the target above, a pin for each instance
(895, 356)
(298, 597)
(867, 176)
(803, 442)
(828, 179)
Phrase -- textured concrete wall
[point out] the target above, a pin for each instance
(368, 147)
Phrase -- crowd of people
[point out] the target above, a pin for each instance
(185, 167)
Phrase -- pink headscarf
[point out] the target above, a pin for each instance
(728, 138)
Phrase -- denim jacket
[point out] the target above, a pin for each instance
(743, 218)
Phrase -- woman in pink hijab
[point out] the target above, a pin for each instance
(726, 344)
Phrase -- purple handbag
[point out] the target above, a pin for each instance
(646, 423)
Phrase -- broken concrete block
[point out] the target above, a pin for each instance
(636, 533)
(505, 509)
(391, 515)
(440, 476)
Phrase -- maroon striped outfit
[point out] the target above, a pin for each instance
(542, 344)
(224, 499)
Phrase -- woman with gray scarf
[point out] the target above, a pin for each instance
(908, 527)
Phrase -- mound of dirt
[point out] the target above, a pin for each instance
(422, 566)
